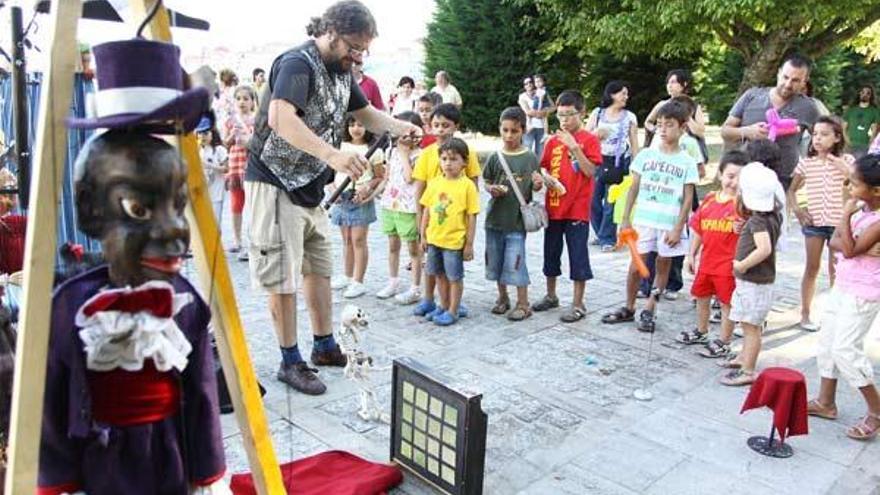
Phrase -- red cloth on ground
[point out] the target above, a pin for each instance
(556, 159)
(12, 233)
(784, 391)
(334, 471)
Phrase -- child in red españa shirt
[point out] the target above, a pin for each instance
(714, 240)
(571, 157)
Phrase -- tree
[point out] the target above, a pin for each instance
(487, 50)
(761, 32)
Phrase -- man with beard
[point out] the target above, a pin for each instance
(294, 153)
(747, 120)
(862, 121)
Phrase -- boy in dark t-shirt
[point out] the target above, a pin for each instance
(505, 232)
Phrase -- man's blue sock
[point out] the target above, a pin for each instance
(324, 343)
(290, 355)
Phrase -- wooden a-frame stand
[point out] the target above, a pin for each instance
(39, 263)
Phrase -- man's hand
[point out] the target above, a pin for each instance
(346, 162)
(739, 267)
(672, 237)
(624, 225)
(567, 139)
(758, 130)
(409, 129)
(467, 253)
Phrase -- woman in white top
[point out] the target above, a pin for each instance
(678, 82)
(617, 129)
(405, 100)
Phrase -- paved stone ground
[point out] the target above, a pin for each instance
(562, 419)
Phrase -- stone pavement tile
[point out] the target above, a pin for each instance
(290, 441)
(695, 476)
(718, 443)
(863, 476)
(630, 460)
(574, 480)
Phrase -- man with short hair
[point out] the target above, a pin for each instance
(446, 90)
(747, 120)
(862, 121)
(368, 85)
(292, 156)
(259, 77)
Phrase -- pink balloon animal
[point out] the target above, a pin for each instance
(779, 126)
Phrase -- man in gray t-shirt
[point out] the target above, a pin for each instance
(747, 120)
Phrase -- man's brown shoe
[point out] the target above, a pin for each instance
(302, 378)
(329, 358)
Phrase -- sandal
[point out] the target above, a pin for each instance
(622, 315)
(692, 337)
(816, 408)
(715, 349)
(573, 315)
(501, 307)
(647, 323)
(729, 362)
(519, 313)
(738, 378)
(864, 430)
(546, 303)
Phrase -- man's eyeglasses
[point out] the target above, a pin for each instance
(352, 50)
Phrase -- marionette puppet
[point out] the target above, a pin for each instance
(131, 394)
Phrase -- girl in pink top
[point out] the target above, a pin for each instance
(854, 302)
(822, 173)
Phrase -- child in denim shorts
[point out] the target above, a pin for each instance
(505, 231)
(822, 174)
(356, 210)
(448, 225)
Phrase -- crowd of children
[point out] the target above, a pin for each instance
(729, 242)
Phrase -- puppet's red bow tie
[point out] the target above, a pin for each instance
(155, 300)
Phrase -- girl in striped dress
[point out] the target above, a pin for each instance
(822, 174)
(238, 129)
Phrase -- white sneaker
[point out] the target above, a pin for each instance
(390, 290)
(354, 289)
(339, 282)
(411, 296)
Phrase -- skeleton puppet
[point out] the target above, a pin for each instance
(359, 366)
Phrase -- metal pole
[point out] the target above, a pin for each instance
(21, 122)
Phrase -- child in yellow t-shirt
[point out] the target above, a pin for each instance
(444, 122)
(449, 219)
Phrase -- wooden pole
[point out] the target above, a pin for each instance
(217, 286)
(39, 259)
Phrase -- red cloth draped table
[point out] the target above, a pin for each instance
(332, 472)
(784, 391)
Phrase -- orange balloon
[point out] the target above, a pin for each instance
(630, 237)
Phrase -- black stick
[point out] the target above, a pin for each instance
(379, 143)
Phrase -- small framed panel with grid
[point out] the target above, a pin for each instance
(438, 431)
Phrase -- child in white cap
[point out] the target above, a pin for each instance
(754, 266)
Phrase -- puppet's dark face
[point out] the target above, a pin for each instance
(144, 234)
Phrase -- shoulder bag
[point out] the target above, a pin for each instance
(533, 214)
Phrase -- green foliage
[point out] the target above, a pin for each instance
(487, 47)
(761, 31)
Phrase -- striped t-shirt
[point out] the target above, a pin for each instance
(663, 178)
(823, 184)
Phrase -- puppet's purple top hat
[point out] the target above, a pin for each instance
(141, 85)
